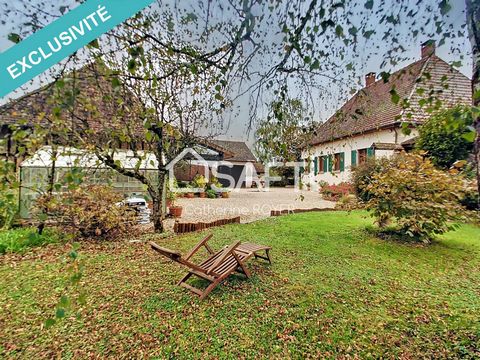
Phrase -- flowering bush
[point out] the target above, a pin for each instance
(421, 199)
(335, 192)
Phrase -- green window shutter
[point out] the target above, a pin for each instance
(354, 157)
(342, 161)
(325, 163)
(315, 166)
(330, 163)
(370, 152)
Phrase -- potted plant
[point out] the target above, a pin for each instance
(171, 196)
(211, 194)
(174, 210)
(225, 194)
(189, 192)
(214, 185)
(200, 182)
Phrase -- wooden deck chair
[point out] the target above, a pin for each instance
(218, 266)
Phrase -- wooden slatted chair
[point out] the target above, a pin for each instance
(217, 267)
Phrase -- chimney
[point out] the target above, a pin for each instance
(428, 48)
(370, 79)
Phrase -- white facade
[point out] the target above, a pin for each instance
(68, 157)
(345, 147)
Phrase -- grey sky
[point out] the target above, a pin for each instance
(326, 102)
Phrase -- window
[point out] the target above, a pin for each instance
(336, 162)
(362, 156)
(339, 162)
(321, 164)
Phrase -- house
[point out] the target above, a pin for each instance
(242, 166)
(370, 123)
(229, 158)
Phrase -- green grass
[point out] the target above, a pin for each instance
(333, 290)
(19, 240)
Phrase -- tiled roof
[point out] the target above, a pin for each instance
(24, 108)
(240, 150)
(28, 109)
(372, 108)
(98, 109)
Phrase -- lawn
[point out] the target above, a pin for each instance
(333, 290)
(20, 240)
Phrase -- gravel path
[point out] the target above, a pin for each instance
(249, 204)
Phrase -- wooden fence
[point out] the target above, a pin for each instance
(181, 228)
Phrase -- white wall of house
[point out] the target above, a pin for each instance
(391, 136)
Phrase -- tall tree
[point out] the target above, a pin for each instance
(149, 121)
(284, 132)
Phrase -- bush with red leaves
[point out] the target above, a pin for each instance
(335, 192)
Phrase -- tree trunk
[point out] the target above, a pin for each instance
(473, 21)
(158, 199)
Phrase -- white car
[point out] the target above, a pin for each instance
(140, 206)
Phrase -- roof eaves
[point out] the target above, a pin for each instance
(384, 127)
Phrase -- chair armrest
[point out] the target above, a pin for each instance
(199, 245)
(229, 250)
(174, 255)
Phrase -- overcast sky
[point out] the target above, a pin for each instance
(326, 103)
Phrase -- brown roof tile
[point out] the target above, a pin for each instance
(240, 150)
(98, 105)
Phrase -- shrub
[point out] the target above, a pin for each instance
(348, 203)
(171, 197)
(90, 211)
(470, 196)
(8, 193)
(335, 192)
(8, 207)
(421, 199)
(362, 175)
(20, 239)
(444, 136)
(214, 183)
